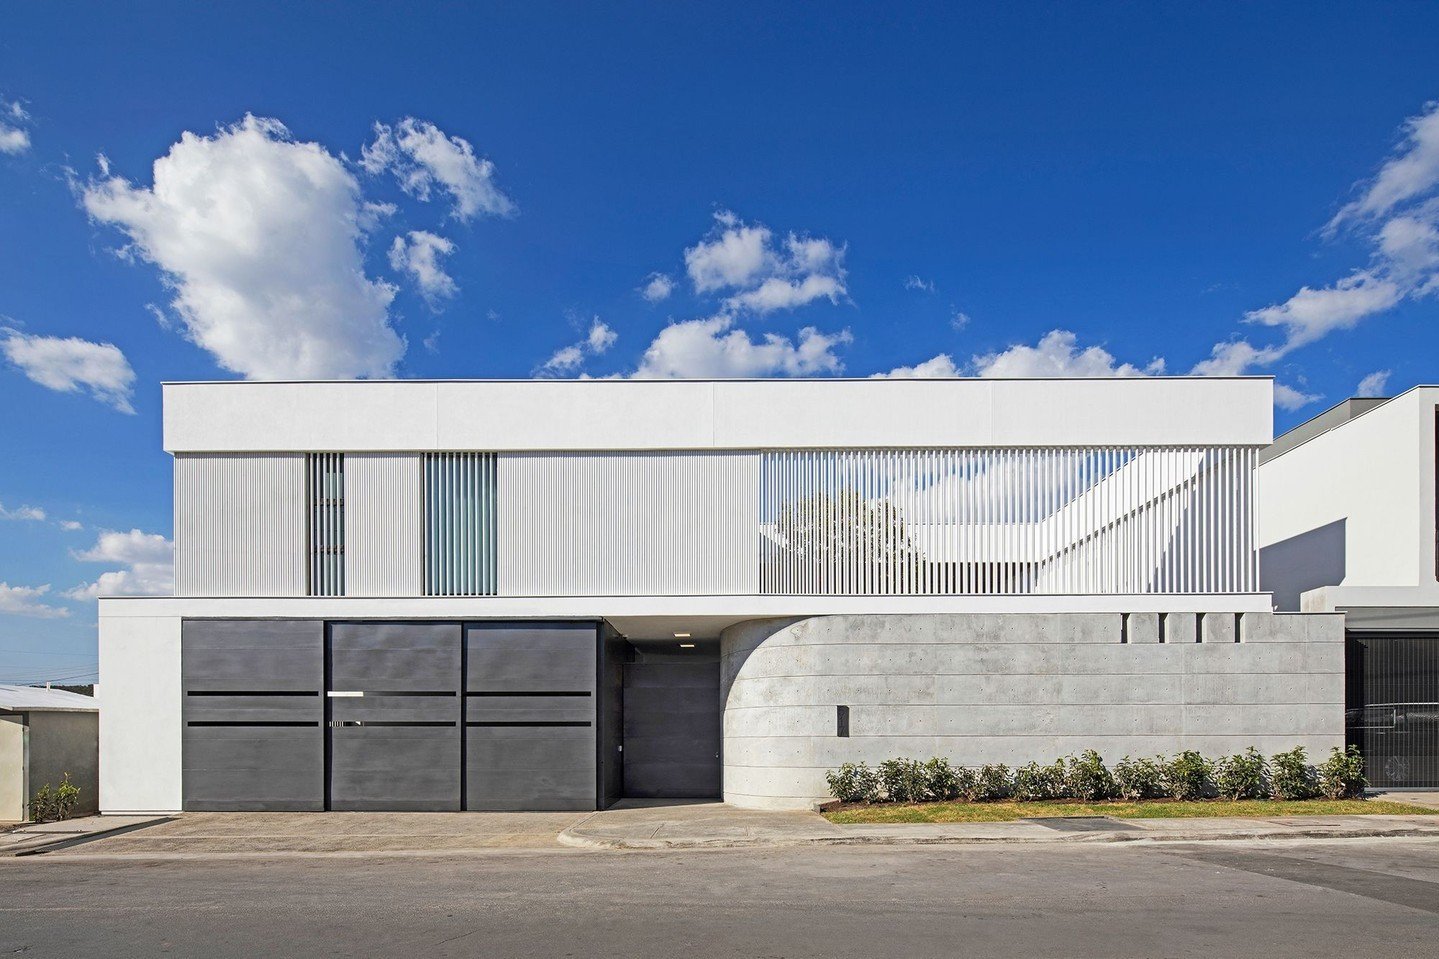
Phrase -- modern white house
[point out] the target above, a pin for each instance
(554, 594)
(1348, 525)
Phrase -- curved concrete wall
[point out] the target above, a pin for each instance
(1011, 688)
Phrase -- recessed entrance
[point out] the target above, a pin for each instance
(672, 721)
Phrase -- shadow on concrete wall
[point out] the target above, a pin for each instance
(1304, 562)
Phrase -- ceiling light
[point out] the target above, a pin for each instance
(682, 635)
(687, 645)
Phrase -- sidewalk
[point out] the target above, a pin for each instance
(710, 825)
(47, 835)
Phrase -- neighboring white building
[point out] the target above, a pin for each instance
(1348, 524)
(543, 594)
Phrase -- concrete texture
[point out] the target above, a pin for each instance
(1015, 688)
(45, 835)
(208, 834)
(1306, 899)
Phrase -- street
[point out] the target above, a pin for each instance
(1310, 899)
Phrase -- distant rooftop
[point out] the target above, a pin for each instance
(1323, 423)
(39, 699)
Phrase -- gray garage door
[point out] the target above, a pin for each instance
(394, 695)
(530, 692)
(672, 728)
(253, 711)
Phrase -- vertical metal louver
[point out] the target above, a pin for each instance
(325, 487)
(1055, 520)
(460, 544)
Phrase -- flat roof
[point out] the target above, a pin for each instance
(39, 699)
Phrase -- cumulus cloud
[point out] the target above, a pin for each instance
(71, 365)
(28, 601)
(261, 238)
(1397, 214)
(14, 138)
(657, 286)
(1058, 354)
(22, 513)
(147, 561)
(70, 525)
(569, 359)
(713, 348)
(418, 254)
(913, 282)
(1289, 398)
(1375, 384)
(937, 366)
(762, 274)
(424, 159)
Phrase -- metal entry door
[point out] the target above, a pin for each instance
(1392, 706)
(530, 691)
(672, 729)
(394, 703)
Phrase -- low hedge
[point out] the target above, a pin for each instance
(1186, 776)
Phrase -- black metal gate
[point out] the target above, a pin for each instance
(1392, 706)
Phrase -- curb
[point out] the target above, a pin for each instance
(581, 841)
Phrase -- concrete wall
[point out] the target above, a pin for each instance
(140, 729)
(13, 782)
(1014, 688)
(63, 742)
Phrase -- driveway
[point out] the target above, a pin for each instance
(218, 833)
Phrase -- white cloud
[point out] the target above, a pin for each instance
(570, 358)
(22, 513)
(260, 237)
(913, 282)
(70, 364)
(1375, 384)
(423, 158)
(713, 348)
(762, 275)
(419, 256)
(28, 601)
(657, 286)
(70, 525)
(148, 561)
(1057, 354)
(1289, 398)
(941, 365)
(958, 319)
(1398, 214)
(14, 139)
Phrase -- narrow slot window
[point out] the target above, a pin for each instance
(841, 721)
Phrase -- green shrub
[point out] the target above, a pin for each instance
(52, 805)
(1291, 776)
(853, 782)
(992, 783)
(1136, 779)
(939, 781)
(1241, 776)
(1187, 776)
(1088, 778)
(1035, 782)
(1341, 776)
(966, 784)
(902, 780)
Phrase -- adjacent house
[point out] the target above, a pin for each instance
(46, 734)
(550, 595)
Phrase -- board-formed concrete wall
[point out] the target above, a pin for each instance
(1011, 688)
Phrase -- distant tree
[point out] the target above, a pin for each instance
(843, 531)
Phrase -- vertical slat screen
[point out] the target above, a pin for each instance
(240, 524)
(1109, 520)
(325, 484)
(460, 540)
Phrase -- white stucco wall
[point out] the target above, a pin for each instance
(140, 728)
(1375, 476)
(1013, 689)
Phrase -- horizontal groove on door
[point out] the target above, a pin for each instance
(511, 692)
(245, 722)
(394, 722)
(252, 692)
(392, 693)
(539, 723)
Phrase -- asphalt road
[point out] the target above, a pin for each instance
(1311, 899)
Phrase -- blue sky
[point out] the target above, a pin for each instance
(818, 190)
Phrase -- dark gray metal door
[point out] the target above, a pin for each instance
(253, 710)
(530, 692)
(672, 729)
(395, 711)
